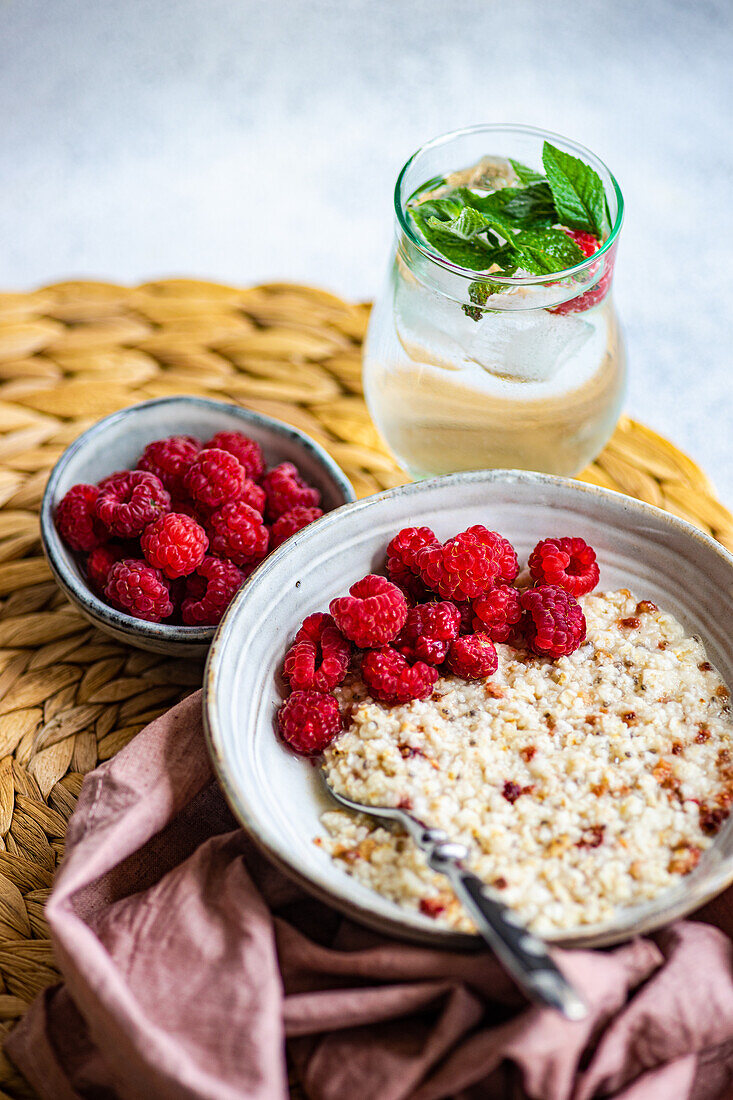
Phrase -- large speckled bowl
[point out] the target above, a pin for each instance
(116, 443)
(278, 797)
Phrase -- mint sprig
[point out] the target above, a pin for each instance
(543, 251)
(455, 240)
(577, 191)
(524, 174)
(515, 228)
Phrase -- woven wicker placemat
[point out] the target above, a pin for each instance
(70, 697)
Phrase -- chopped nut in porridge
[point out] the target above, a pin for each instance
(579, 784)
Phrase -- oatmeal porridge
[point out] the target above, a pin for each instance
(578, 785)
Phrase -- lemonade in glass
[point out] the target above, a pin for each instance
(495, 342)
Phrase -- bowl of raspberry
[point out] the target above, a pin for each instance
(155, 517)
(537, 667)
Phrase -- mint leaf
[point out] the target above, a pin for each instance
(577, 190)
(514, 208)
(479, 293)
(445, 208)
(542, 251)
(467, 225)
(525, 174)
(531, 207)
(457, 243)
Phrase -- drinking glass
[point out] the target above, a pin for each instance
(534, 380)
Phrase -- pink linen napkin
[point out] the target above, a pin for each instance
(189, 962)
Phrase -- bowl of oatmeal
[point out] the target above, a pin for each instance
(591, 790)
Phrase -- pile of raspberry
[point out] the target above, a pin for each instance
(173, 539)
(441, 608)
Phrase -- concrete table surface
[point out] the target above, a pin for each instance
(245, 140)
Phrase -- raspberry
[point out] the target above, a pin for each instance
(553, 622)
(100, 561)
(77, 520)
(391, 679)
(498, 613)
(465, 610)
(175, 544)
(215, 477)
(472, 657)
(319, 657)
(169, 459)
(309, 721)
(402, 567)
(428, 630)
(508, 562)
(290, 522)
(129, 500)
(588, 244)
(567, 562)
(373, 613)
(209, 591)
(238, 532)
(286, 490)
(463, 567)
(245, 450)
(254, 495)
(139, 589)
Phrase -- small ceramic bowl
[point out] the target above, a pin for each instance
(278, 796)
(116, 443)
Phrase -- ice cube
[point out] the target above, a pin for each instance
(529, 347)
(431, 328)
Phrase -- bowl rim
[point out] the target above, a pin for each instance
(597, 935)
(56, 552)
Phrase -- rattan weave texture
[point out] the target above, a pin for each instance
(69, 697)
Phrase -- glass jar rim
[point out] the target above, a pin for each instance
(507, 280)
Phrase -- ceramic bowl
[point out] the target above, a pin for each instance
(278, 797)
(116, 443)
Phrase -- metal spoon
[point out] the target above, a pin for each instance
(523, 955)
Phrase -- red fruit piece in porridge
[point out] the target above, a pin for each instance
(402, 566)
(472, 657)
(429, 628)
(372, 614)
(308, 721)
(498, 613)
(553, 621)
(319, 658)
(567, 562)
(508, 561)
(462, 568)
(391, 678)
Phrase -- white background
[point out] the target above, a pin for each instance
(246, 140)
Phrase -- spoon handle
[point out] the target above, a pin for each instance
(522, 954)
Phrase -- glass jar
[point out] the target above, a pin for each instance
(535, 380)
